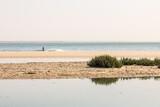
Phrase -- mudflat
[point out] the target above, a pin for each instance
(51, 70)
(54, 70)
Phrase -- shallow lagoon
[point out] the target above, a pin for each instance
(126, 92)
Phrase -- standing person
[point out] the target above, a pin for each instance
(43, 49)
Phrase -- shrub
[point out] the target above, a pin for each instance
(128, 61)
(105, 61)
(143, 61)
(157, 61)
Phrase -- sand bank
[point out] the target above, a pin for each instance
(71, 70)
(52, 69)
(84, 54)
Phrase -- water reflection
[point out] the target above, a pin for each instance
(140, 78)
(109, 81)
(127, 92)
(157, 78)
(104, 81)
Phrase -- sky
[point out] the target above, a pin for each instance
(80, 20)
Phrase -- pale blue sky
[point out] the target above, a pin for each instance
(79, 20)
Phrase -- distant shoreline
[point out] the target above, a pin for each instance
(79, 46)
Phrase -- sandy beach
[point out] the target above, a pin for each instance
(87, 54)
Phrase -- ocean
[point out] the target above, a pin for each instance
(77, 46)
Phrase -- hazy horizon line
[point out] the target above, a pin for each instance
(84, 41)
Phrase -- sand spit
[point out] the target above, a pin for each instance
(71, 70)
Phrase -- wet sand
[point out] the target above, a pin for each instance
(84, 54)
(54, 70)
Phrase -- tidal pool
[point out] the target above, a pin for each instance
(124, 92)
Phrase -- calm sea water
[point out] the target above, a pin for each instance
(58, 46)
(80, 93)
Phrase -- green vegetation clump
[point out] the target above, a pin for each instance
(105, 61)
(143, 61)
(128, 61)
(157, 61)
